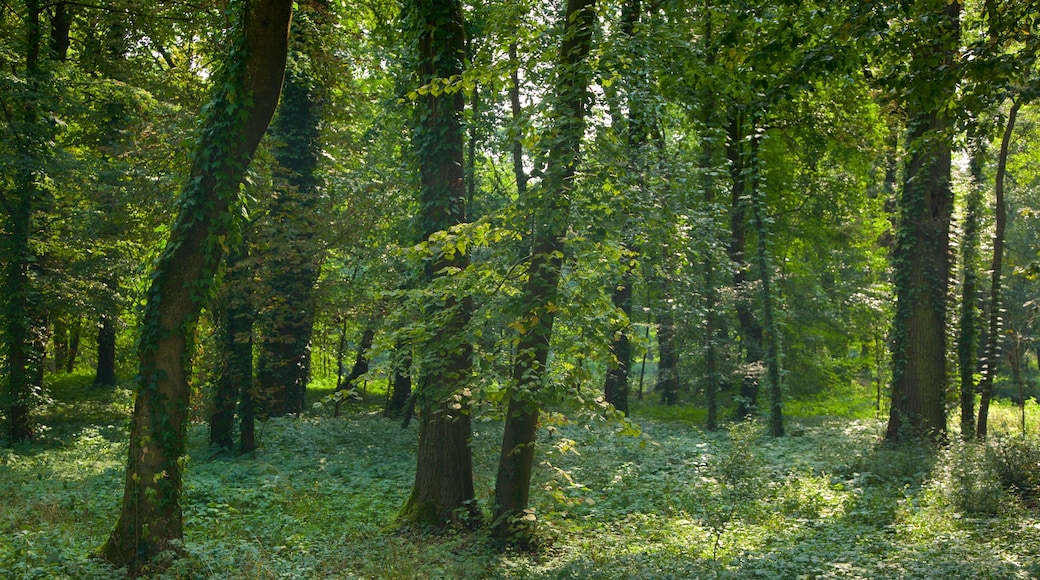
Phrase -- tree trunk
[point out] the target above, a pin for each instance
(921, 254)
(615, 389)
(967, 338)
(19, 393)
(552, 207)
(73, 354)
(248, 85)
(668, 365)
(235, 335)
(765, 275)
(295, 261)
(442, 493)
(397, 402)
(105, 372)
(989, 368)
(750, 330)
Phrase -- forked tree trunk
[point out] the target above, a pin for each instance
(246, 92)
(989, 369)
(513, 482)
(921, 254)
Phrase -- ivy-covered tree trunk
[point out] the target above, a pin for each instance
(235, 315)
(989, 368)
(19, 316)
(967, 337)
(921, 255)
(616, 384)
(294, 258)
(551, 204)
(247, 85)
(105, 371)
(765, 276)
(442, 492)
(750, 330)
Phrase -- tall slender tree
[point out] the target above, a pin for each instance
(27, 136)
(996, 287)
(247, 85)
(550, 203)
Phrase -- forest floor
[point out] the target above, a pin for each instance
(318, 500)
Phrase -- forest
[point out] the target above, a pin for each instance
(517, 289)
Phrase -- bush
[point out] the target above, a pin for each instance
(1016, 463)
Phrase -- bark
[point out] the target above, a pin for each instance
(551, 206)
(989, 368)
(295, 261)
(442, 493)
(235, 334)
(514, 104)
(615, 389)
(397, 402)
(105, 372)
(921, 254)
(668, 366)
(73, 354)
(967, 338)
(616, 386)
(765, 274)
(150, 518)
(61, 25)
(19, 393)
(750, 330)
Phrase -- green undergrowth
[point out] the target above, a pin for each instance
(318, 500)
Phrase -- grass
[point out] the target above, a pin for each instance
(318, 501)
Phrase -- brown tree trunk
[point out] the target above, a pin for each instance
(442, 493)
(150, 519)
(989, 368)
(19, 316)
(615, 388)
(513, 482)
(397, 402)
(921, 256)
(235, 333)
(750, 330)
(105, 372)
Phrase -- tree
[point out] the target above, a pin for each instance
(921, 254)
(996, 271)
(443, 488)
(550, 204)
(22, 192)
(293, 254)
(246, 90)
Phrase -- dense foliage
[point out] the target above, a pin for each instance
(569, 235)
